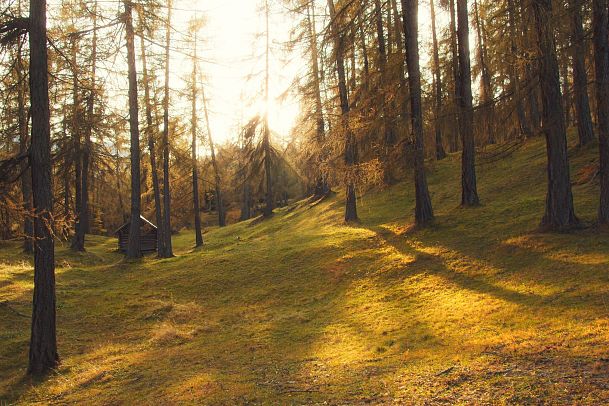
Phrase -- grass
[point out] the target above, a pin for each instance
(479, 308)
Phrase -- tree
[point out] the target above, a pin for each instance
(195, 172)
(601, 62)
(133, 249)
(43, 341)
(437, 84)
(350, 151)
(580, 76)
(150, 134)
(166, 235)
(469, 192)
(266, 143)
(423, 209)
(559, 212)
(214, 162)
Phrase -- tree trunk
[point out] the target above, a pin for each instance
(321, 186)
(423, 209)
(26, 178)
(266, 143)
(437, 79)
(150, 135)
(168, 249)
(580, 77)
(214, 162)
(133, 248)
(350, 152)
(469, 193)
(78, 243)
(43, 342)
(601, 61)
(487, 111)
(559, 213)
(454, 144)
(525, 129)
(195, 174)
(82, 225)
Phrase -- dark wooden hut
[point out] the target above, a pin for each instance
(148, 236)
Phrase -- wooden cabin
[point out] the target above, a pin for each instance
(148, 236)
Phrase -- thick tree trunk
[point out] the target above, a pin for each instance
(469, 192)
(580, 76)
(437, 78)
(601, 61)
(423, 209)
(195, 171)
(559, 213)
(133, 248)
(167, 245)
(43, 343)
(350, 153)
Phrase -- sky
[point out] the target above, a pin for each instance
(232, 52)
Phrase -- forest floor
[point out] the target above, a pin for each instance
(480, 308)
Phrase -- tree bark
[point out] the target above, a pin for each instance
(350, 152)
(195, 172)
(580, 76)
(133, 248)
(167, 245)
(78, 243)
(43, 355)
(454, 144)
(150, 135)
(559, 212)
(26, 178)
(437, 79)
(469, 192)
(600, 22)
(423, 209)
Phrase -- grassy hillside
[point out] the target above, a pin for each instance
(479, 308)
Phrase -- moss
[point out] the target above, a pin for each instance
(478, 308)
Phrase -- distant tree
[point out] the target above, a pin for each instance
(437, 82)
(195, 171)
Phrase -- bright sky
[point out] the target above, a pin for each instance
(232, 48)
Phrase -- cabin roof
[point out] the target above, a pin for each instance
(127, 224)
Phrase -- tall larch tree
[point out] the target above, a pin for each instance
(423, 209)
(600, 24)
(437, 84)
(166, 235)
(134, 247)
(350, 152)
(559, 211)
(580, 75)
(43, 342)
(469, 191)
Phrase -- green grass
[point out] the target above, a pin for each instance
(479, 308)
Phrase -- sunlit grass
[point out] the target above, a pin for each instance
(479, 308)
